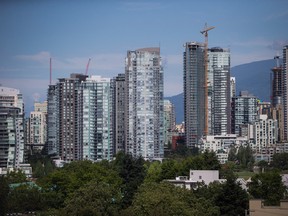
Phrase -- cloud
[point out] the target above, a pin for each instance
(173, 59)
(259, 42)
(238, 59)
(279, 15)
(277, 44)
(113, 61)
(40, 57)
(138, 6)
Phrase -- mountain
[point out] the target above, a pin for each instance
(254, 77)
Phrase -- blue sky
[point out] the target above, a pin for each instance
(73, 31)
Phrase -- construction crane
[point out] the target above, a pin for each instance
(87, 66)
(205, 33)
(50, 71)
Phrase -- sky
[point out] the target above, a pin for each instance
(71, 32)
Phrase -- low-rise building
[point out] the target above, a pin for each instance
(257, 208)
(221, 144)
(196, 179)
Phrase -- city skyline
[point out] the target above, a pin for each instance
(72, 32)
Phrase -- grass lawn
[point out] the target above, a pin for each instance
(244, 174)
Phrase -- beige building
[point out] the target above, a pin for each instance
(37, 129)
(257, 208)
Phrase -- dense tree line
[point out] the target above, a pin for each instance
(131, 186)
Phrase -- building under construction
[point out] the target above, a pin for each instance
(194, 92)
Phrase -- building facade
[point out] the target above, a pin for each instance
(38, 124)
(12, 128)
(285, 94)
(219, 104)
(265, 133)
(95, 119)
(193, 83)
(119, 85)
(169, 122)
(67, 118)
(144, 104)
(51, 144)
(232, 87)
(244, 111)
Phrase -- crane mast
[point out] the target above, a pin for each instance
(205, 33)
(50, 71)
(87, 66)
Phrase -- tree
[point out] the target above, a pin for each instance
(245, 156)
(96, 198)
(164, 199)
(280, 161)
(16, 176)
(4, 191)
(132, 172)
(205, 161)
(62, 183)
(169, 169)
(24, 198)
(262, 165)
(232, 199)
(229, 196)
(232, 155)
(267, 186)
(153, 172)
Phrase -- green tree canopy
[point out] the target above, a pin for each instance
(132, 172)
(4, 191)
(267, 186)
(95, 198)
(280, 161)
(228, 196)
(164, 199)
(63, 182)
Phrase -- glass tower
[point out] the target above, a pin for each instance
(219, 111)
(12, 128)
(144, 98)
(193, 74)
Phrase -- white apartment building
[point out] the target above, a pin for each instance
(144, 109)
(221, 144)
(195, 178)
(38, 124)
(12, 128)
(265, 133)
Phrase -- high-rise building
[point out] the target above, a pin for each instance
(232, 87)
(219, 111)
(244, 111)
(285, 93)
(67, 118)
(169, 121)
(12, 128)
(277, 93)
(95, 119)
(80, 118)
(38, 124)
(52, 147)
(118, 86)
(194, 95)
(144, 99)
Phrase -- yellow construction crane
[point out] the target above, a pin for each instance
(205, 33)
